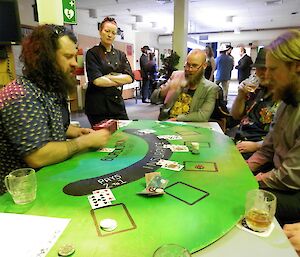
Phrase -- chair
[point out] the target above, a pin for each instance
(137, 77)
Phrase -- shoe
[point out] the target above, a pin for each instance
(145, 101)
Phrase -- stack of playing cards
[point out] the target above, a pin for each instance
(170, 165)
(155, 186)
(101, 198)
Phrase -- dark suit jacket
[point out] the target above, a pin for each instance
(144, 66)
(244, 68)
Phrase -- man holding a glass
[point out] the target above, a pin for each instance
(255, 109)
(282, 144)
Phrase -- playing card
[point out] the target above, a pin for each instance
(107, 193)
(106, 150)
(167, 146)
(179, 148)
(98, 201)
(163, 162)
(173, 166)
(146, 131)
(169, 137)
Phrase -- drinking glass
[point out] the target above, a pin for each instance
(21, 184)
(171, 250)
(260, 209)
(250, 84)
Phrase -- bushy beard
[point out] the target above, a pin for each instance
(195, 78)
(288, 94)
(68, 84)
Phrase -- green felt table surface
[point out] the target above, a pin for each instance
(145, 223)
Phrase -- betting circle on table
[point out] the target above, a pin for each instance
(200, 205)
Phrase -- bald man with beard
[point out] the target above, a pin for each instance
(187, 95)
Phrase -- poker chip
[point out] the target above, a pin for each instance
(108, 224)
(66, 250)
(199, 166)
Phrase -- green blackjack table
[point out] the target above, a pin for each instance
(202, 202)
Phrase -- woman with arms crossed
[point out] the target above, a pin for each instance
(108, 70)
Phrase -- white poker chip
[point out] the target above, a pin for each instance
(108, 224)
(66, 250)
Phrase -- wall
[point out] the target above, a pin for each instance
(258, 38)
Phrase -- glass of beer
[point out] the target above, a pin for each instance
(250, 84)
(173, 250)
(260, 209)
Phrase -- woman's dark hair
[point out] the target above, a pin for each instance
(107, 19)
(39, 58)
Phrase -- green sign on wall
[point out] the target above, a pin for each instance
(69, 11)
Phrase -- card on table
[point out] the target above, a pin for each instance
(108, 194)
(172, 166)
(146, 131)
(179, 148)
(97, 201)
(101, 198)
(170, 137)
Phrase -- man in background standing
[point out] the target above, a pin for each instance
(244, 65)
(224, 66)
(144, 73)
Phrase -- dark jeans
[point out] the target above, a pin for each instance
(288, 206)
(145, 89)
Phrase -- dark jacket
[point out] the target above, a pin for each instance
(244, 67)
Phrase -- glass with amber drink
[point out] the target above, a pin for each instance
(260, 209)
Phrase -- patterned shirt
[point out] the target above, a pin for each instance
(29, 118)
(182, 104)
(260, 110)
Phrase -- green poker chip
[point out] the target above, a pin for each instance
(66, 250)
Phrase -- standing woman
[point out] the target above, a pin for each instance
(211, 64)
(108, 70)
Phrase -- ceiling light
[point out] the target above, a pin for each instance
(273, 2)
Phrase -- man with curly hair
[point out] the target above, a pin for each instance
(34, 116)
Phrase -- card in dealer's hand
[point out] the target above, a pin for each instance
(107, 193)
(106, 150)
(97, 201)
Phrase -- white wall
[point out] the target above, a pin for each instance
(26, 12)
(257, 38)
(88, 26)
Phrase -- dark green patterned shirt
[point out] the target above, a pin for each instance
(29, 118)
